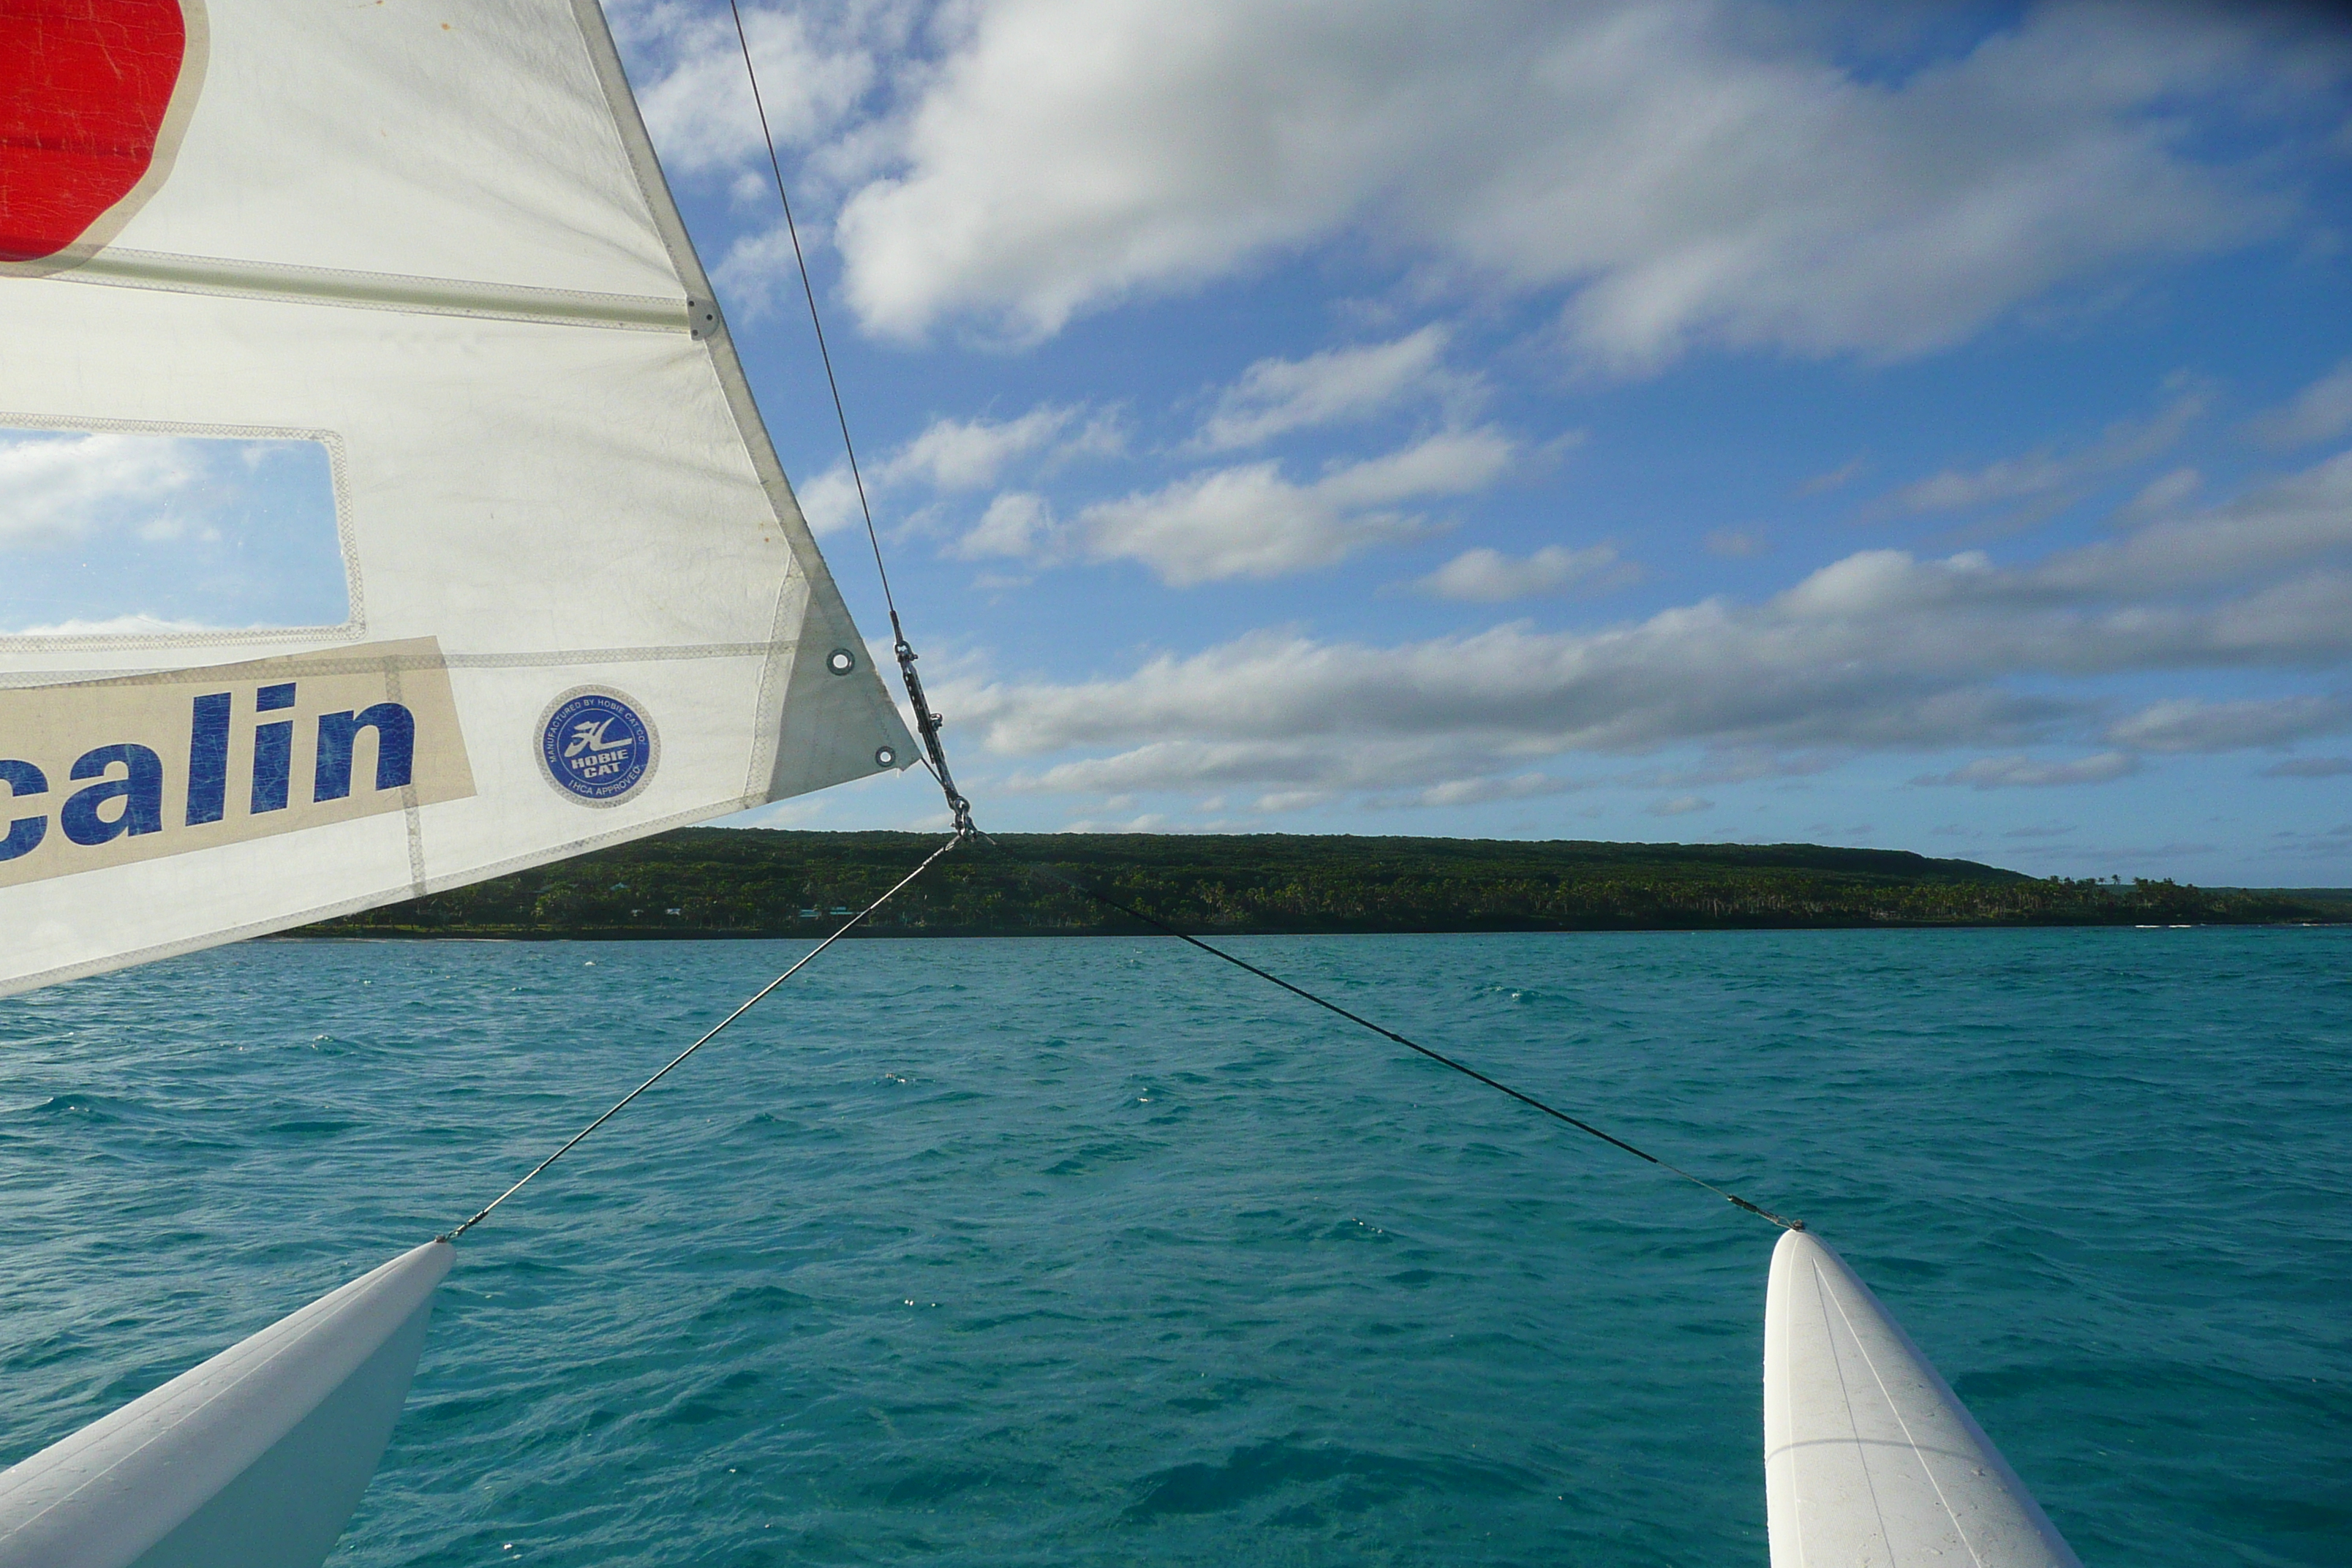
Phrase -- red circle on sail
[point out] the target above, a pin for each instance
(84, 87)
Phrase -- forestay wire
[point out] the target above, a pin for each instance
(935, 761)
(959, 809)
(712, 1033)
(1464, 1068)
(926, 722)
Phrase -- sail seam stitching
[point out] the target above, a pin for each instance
(414, 295)
(768, 738)
(411, 816)
(361, 666)
(222, 637)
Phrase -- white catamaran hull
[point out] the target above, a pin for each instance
(254, 1459)
(1869, 1458)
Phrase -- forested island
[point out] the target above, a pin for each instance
(726, 882)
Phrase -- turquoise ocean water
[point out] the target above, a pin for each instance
(1096, 1252)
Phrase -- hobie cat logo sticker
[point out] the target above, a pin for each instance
(597, 745)
(93, 101)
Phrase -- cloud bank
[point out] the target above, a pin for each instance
(1881, 650)
(1679, 172)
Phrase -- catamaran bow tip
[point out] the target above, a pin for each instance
(253, 1459)
(1869, 1457)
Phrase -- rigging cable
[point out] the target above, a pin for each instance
(1464, 1068)
(749, 1003)
(959, 809)
(936, 762)
(926, 722)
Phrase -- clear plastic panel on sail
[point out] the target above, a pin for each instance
(147, 532)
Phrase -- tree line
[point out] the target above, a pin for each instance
(707, 883)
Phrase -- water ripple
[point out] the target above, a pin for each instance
(1078, 1252)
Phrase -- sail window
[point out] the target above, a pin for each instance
(156, 533)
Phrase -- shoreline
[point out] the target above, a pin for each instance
(738, 884)
(945, 933)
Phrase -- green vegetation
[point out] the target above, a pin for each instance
(726, 882)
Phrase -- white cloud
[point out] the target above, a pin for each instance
(969, 454)
(754, 269)
(1251, 522)
(1736, 543)
(2165, 492)
(1732, 765)
(1275, 396)
(133, 624)
(2331, 843)
(59, 486)
(1881, 650)
(2030, 773)
(2309, 768)
(951, 456)
(1680, 806)
(1485, 576)
(2186, 724)
(1235, 522)
(2302, 520)
(1484, 791)
(2319, 412)
(1291, 800)
(1837, 478)
(2121, 445)
(1016, 523)
(829, 501)
(1677, 172)
(1435, 763)
(699, 105)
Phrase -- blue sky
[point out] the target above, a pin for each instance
(1922, 427)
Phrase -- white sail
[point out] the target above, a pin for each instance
(1869, 1457)
(427, 256)
(254, 1459)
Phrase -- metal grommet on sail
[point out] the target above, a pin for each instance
(884, 756)
(841, 661)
